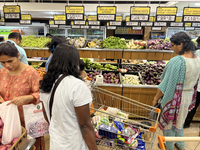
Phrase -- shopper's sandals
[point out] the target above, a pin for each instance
(178, 147)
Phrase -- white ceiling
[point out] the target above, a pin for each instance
(47, 10)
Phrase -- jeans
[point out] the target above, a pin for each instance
(174, 133)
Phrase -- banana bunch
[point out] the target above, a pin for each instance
(95, 44)
(131, 44)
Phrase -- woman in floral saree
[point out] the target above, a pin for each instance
(178, 88)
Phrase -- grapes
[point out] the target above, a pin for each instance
(33, 41)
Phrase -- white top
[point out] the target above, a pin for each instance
(198, 53)
(64, 129)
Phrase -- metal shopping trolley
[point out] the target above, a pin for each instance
(122, 123)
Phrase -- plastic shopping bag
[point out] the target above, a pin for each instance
(35, 122)
(12, 126)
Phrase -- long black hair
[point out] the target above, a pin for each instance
(182, 37)
(56, 40)
(65, 60)
(8, 49)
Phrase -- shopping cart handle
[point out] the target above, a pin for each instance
(161, 139)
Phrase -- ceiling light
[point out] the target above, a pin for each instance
(197, 4)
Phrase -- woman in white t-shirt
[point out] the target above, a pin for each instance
(70, 125)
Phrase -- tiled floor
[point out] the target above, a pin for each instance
(193, 131)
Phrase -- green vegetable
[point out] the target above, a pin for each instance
(114, 43)
(87, 62)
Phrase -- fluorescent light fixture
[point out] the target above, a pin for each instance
(197, 4)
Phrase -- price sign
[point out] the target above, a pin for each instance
(176, 24)
(79, 22)
(51, 22)
(60, 22)
(139, 13)
(85, 18)
(189, 28)
(60, 19)
(137, 28)
(119, 18)
(106, 13)
(92, 18)
(2, 22)
(95, 27)
(156, 28)
(132, 23)
(84, 27)
(167, 14)
(12, 13)
(146, 24)
(152, 19)
(94, 23)
(179, 19)
(53, 26)
(127, 18)
(195, 24)
(115, 23)
(74, 12)
(160, 24)
(25, 19)
(76, 27)
(188, 24)
(111, 27)
(191, 14)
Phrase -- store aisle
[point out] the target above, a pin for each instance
(192, 131)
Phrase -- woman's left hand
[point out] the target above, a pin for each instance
(18, 100)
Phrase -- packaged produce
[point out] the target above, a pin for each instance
(108, 131)
(103, 120)
(112, 110)
(129, 131)
(132, 141)
(78, 43)
(119, 125)
(108, 143)
(95, 43)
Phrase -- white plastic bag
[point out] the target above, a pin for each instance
(35, 123)
(12, 126)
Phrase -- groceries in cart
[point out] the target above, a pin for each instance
(112, 130)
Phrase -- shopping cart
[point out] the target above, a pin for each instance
(131, 113)
(162, 139)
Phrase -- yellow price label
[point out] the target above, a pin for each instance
(92, 18)
(59, 17)
(25, 17)
(2, 19)
(86, 23)
(152, 19)
(140, 10)
(74, 9)
(72, 23)
(85, 17)
(188, 24)
(179, 19)
(166, 11)
(191, 11)
(127, 18)
(51, 22)
(118, 18)
(11, 9)
(106, 10)
(107, 23)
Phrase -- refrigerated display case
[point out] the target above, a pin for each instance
(95, 34)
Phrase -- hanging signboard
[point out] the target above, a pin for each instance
(106, 13)
(132, 23)
(119, 18)
(52, 25)
(137, 28)
(85, 18)
(115, 23)
(2, 21)
(12, 13)
(176, 24)
(156, 28)
(167, 14)
(59, 19)
(79, 22)
(194, 24)
(146, 24)
(25, 20)
(74, 12)
(95, 27)
(111, 27)
(127, 18)
(76, 26)
(85, 27)
(160, 24)
(179, 19)
(188, 24)
(191, 14)
(152, 19)
(139, 13)
(92, 18)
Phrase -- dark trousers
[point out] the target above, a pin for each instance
(191, 114)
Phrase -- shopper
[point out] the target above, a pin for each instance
(48, 35)
(16, 38)
(19, 83)
(177, 89)
(70, 124)
(52, 45)
(82, 67)
(193, 111)
(2, 39)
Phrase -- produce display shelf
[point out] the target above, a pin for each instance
(35, 60)
(127, 34)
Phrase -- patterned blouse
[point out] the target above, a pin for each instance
(25, 83)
